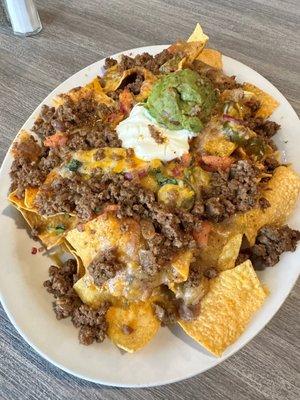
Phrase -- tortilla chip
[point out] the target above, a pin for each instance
(211, 57)
(68, 248)
(115, 160)
(220, 147)
(104, 232)
(99, 95)
(230, 252)
(198, 35)
(221, 238)
(137, 316)
(234, 297)
(93, 89)
(113, 79)
(15, 200)
(91, 294)
(29, 198)
(51, 229)
(282, 192)
(268, 103)
(179, 267)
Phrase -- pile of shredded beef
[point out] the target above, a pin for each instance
(270, 243)
(91, 323)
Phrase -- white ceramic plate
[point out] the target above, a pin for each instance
(172, 355)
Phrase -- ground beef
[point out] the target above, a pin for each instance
(264, 128)
(167, 315)
(97, 136)
(270, 243)
(71, 117)
(165, 230)
(32, 163)
(210, 273)
(105, 266)
(92, 323)
(87, 197)
(84, 128)
(148, 262)
(219, 80)
(152, 63)
(264, 203)
(231, 192)
(195, 276)
(156, 134)
(271, 164)
(109, 62)
(133, 83)
(61, 280)
(60, 285)
(189, 312)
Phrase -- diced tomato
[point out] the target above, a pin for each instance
(114, 118)
(126, 101)
(201, 234)
(56, 140)
(34, 250)
(217, 163)
(186, 159)
(176, 171)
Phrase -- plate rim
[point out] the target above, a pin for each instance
(3, 169)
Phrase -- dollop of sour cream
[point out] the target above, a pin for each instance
(150, 141)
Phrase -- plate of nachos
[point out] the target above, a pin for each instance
(149, 215)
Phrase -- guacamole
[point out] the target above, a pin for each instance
(182, 100)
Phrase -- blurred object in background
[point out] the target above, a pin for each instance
(23, 16)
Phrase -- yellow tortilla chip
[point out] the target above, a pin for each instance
(179, 267)
(221, 238)
(98, 91)
(51, 229)
(113, 79)
(91, 294)
(93, 88)
(211, 57)
(105, 232)
(68, 248)
(29, 198)
(115, 160)
(268, 103)
(138, 317)
(15, 200)
(230, 252)
(191, 48)
(198, 35)
(282, 192)
(220, 146)
(234, 297)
